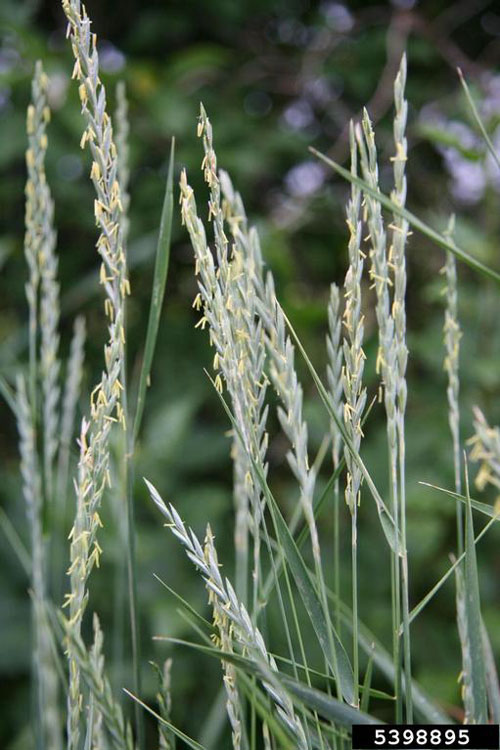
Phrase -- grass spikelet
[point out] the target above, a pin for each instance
(122, 128)
(38, 211)
(227, 297)
(334, 368)
(352, 381)
(335, 389)
(485, 448)
(452, 336)
(164, 698)
(49, 364)
(91, 665)
(386, 359)
(247, 262)
(71, 395)
(224, 642)
(106, 408)
(286, 384)
(245, 633)
(39, 247)
(397, 255)
(40, 252)
(45, 675)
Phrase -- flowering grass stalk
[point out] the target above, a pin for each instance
(452, 336)
(38, 213)
(397, 254)
(48, 734)
(70, 398)
(42, 264)
(106, 407)
(334, 377)
(354, 392)
(227, 298)
(245, 633)
(386, 357)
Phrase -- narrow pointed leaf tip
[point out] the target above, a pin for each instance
(158, 291)
(415, 222)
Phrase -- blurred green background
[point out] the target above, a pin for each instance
(274, 78)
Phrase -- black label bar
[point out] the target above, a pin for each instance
(425, 737)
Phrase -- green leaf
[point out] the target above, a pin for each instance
(488, 510)
(159, 281)
(415, 222)
(386, 520)
(328, 707)
(477, 117)
(492, 685)
(365, 697)
(205, 624)
(16, 542)
(9, 395)
(261, 705)
(338, 660)
(483, 508)
(184, 737)
(428, 711)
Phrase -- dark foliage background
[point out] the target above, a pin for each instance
(274, 78)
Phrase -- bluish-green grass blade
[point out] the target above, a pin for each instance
(492, 685)
(488, 510)
(415, 222)
(367, 682)
(477, 118)
(324, 704)
(386, 520)
(184, 737)
(338, 661)
(159, 281)
(427, 710)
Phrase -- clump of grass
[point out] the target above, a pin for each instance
(254, 346)
(245, 632)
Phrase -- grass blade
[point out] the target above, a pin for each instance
(386, 520)
(415, 222)
(477, 118)
(185, 605)
(338, 660)
(366, 692)
(373, 648)
(159, 281)
(492, 686)
(184, 737)
(489, 510)
(427, 598)
(16, 542)
(330, 708)
(259, 702)
(8, 395)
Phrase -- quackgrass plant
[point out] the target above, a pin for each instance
(310, 695)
